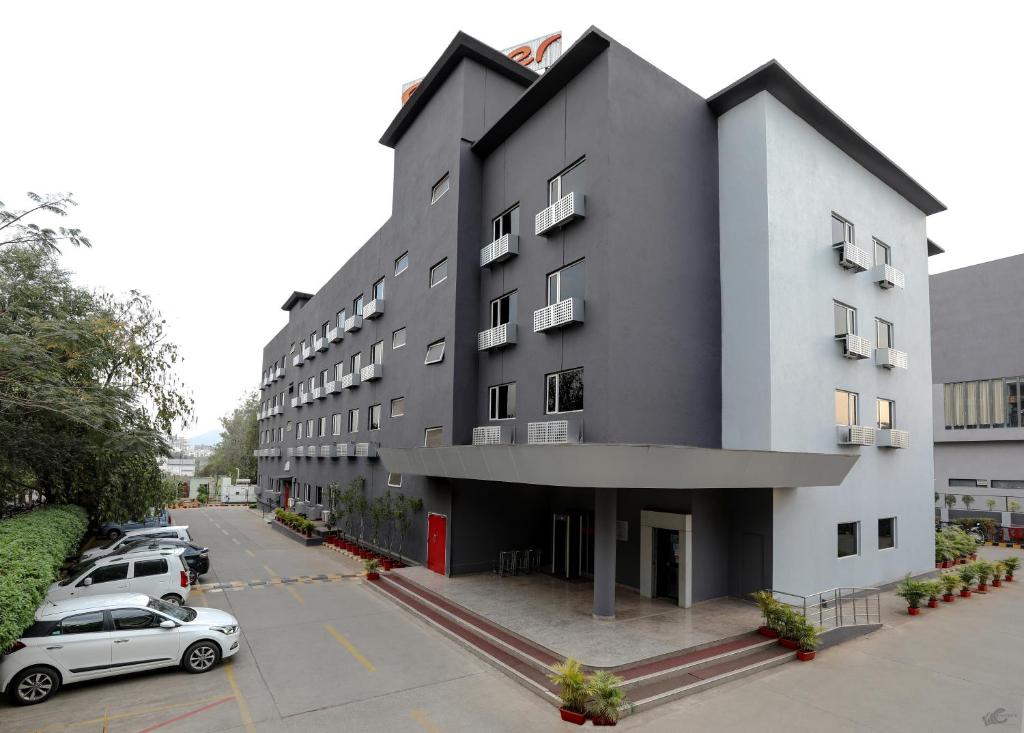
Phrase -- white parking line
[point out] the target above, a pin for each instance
(235, 540)
(225, 532)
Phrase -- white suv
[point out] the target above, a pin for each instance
(102, 636)
(160, 573)
(178, 533)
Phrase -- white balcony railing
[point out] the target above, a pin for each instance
(365, 450)
(560, 314)
(891, 358)
(298, 452)
(350, 380)
(374, 309)
(852, 257)
(333, 387)
(274, 452)
(887, 276)
(494, 434)
(338, 450)
(569, 430)
(320, 344)
(567, 209)
(312, 451)
(371, 372)
(335, 335)
(295, 402)
(494, 338)
(893, 438)
(353, 323)
(297, 360)
(325, 451)
(277, 410)
(499, 250)
(854, 346)
(855, 435)
(279, 374)
(318, 393)
(307, 353)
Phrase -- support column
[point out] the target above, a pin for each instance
(605, 500)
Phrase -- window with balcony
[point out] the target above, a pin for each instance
(378, 290)
(849, 539)
(336, 424)
(339, 371)
(357, 305)
(373, 418)
(883, 253)
(342, 317)
(433, 437)
(435, 353)
(353, 420)
(439, 189)
(883, 334)
(846, 407)
(291, 387)
(570, 179)
(312, 339)
(323, 377)
(439, 273)
(398, 338)
(291, 350)
(309, 428)
(324, 328)
(502, 400)
(564, 391)
(887, 533)
(395, 480)
(503, 309)
(355, 362)
(319, 494)
(322, 425)
(311, 384)
(401, 264)
(845, 318)
(884, 413)
(842, 231)
(300, 430)
(377, 353)
(398, 407)
(568, 282)
(507, 223)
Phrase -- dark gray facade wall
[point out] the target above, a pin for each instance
(977, 332)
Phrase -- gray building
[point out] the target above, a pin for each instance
(603, 226)
(978, 363)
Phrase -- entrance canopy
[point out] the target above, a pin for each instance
(601, 465)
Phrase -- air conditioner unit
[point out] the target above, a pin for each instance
(325, 515)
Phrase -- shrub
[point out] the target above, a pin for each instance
(984, 569)
(33, 546)
(805, 634)
(988, 526)
(605, 699)
(770, 608)
(572, 686)
(913, 591)
(949, 582)
(933, 588)
(789, 622)
(1011, 564)
(966, 575)
(371, 565)
(962, 544)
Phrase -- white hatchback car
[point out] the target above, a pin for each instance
(102, 636)
(160, 573)
(178, 533)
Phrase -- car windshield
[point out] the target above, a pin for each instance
(78, 571)
(181, 613)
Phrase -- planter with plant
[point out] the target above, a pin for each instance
(770, 609)
(998, 570)
(966, 575)
(572, 689)
(913, 592)
(1011, 564)
(934, 589)
(950, 582)
(807, 640)
(984, 570)
(372, 568)
(605, 700)
(790, 624)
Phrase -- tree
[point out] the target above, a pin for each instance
(950, 501)
(967, 500)
(17, 229)
(238, 440)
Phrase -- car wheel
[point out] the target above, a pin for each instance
(193, 577)
(33, 685)
(114, 535)
(201, 657)
(172, 598)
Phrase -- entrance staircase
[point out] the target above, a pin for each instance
(647, 683)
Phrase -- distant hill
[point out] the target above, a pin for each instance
(210, 437)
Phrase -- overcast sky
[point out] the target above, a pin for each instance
(225, 154)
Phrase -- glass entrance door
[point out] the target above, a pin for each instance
(666, 563)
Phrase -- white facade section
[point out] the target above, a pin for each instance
(780, 182)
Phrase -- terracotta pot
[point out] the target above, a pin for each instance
(1009, 578)
(788, 643)
(603, 721)
(933, 603)
(945, 563)
(373, 576)
(386, 563)
(570, 717)
(913, 611)
(982, 587)
(997, 583)
(965, 594)
(805, 656)
(768, 632)
(948, 597)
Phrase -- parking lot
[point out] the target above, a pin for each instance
(321, 651)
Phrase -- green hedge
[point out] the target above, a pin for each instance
(33, 546)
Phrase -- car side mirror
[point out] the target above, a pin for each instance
(87, 581)
(168, 624)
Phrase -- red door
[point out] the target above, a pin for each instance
(287, 493)
(437, 531)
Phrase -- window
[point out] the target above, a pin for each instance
(319, 494)
(377, 353)
(886, 533)
(355, 362)
(435, 352)
(378, 290)
(291, 350)
(323, 377)
(309, 428)
(439, 272)
(83, 623)
(322, 427)
(146, 568)
(502, 400)
(312, 339)
(842, 231)
(433, 437)
(439, 189)
(398, 338)
(883, 334)
(401, 264)
(845, 318)
(299, 428)
(849, 540)
(291, 387)
(503, 309)
(507, 223)
(569, 180)
(339, 371)
(109, 573)
(564, 391)
(353, 420)
(373, 418)
(398, 407)
(566, 283)
(395, 480)
(312, 384)
(1002, 483)
(309, 493)
(884, 412)
(962, 482)
(342, 317)
(357, 305)
(336, 424)
(131, 619)
(846, 407)
(324, 328)
(883, 255)
(1012, 402)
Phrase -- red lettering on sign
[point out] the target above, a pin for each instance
(408, 92)
(544, 46)
(522, 55)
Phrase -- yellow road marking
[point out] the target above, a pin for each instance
(243, 706)
(126, 714)
(198, 596)
(340, 638)
(421, 717)
(250, 553)
(294, 593)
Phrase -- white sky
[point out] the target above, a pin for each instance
(225, 153)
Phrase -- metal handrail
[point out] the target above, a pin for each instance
(836, 607)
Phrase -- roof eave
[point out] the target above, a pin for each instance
(294, 298)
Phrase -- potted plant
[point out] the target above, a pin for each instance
(789, 623)
(372, 568)
(949, 582)
(1011, 564)
(998, 569)
(1014, 506)
(572, 689)
(984, 569)
(769, 607)
(386, 563)
(807, 640)
(605, 699)
(913, 592)
(934, 589)
(966, 574)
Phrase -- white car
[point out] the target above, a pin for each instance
(178, 533)
(160, 573)
(102, 636)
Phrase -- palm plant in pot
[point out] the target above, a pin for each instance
(985, 570)
(913, 592)
(966, 574)
(950, 582)
(372, 568)
(998, 570)
(933, 588)
(572, 689)
(770, 608)
(1011, 564)
(605, 700)
(807, 640)
(790, 625)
